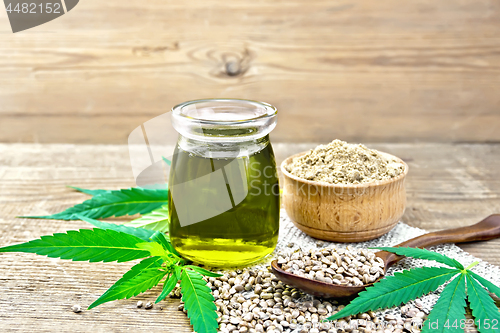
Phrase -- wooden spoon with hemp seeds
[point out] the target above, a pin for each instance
(487, 229)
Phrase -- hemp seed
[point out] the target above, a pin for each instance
(76, 308)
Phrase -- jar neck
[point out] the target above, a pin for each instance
(222, 149)
(224, 120)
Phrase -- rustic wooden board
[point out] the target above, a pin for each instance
(358, 70)
(448, 186)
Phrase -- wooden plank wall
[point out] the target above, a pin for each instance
(386, 71)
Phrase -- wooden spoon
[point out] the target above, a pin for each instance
(487, 229)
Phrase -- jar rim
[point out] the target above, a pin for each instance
(270, 110)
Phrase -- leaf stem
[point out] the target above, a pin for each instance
(472, 265)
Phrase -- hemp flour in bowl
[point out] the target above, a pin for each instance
(340, 162)
(344, 192)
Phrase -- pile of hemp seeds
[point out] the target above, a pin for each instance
(349, 266)
(256, 301)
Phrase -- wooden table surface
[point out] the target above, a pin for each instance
(365, 70)
(449, 185)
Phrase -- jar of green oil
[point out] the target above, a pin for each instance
(224, 192)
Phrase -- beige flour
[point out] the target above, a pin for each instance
(340, 162)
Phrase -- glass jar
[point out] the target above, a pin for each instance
(224, 192)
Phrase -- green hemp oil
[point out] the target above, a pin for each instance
(224, 211)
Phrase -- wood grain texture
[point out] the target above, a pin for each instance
(448, 186)
(360, 71)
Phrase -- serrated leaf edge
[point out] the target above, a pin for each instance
(156, 220)
(137, 232)
(485, 301)
(137, 269)
(382, 284)
(33, 246)
(153, 277)
(492, 288)
(168, 286)
(449, 305)
(104, 197)
(207, 326)
(435, 256)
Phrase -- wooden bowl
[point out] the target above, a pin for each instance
(344, 213)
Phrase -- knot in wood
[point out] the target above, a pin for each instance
(233, 68)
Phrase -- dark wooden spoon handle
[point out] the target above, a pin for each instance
(487, 229)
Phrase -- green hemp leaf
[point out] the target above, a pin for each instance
(157, 220)
(113, 242)
(448, 314)
(89, 192)
(137, 280)
(483, 307)
(138, 232)
(114, 203)
(92, 245)
(199, 302)
(111, 245)
(449, 311)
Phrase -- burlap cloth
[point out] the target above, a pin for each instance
(402, 232)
